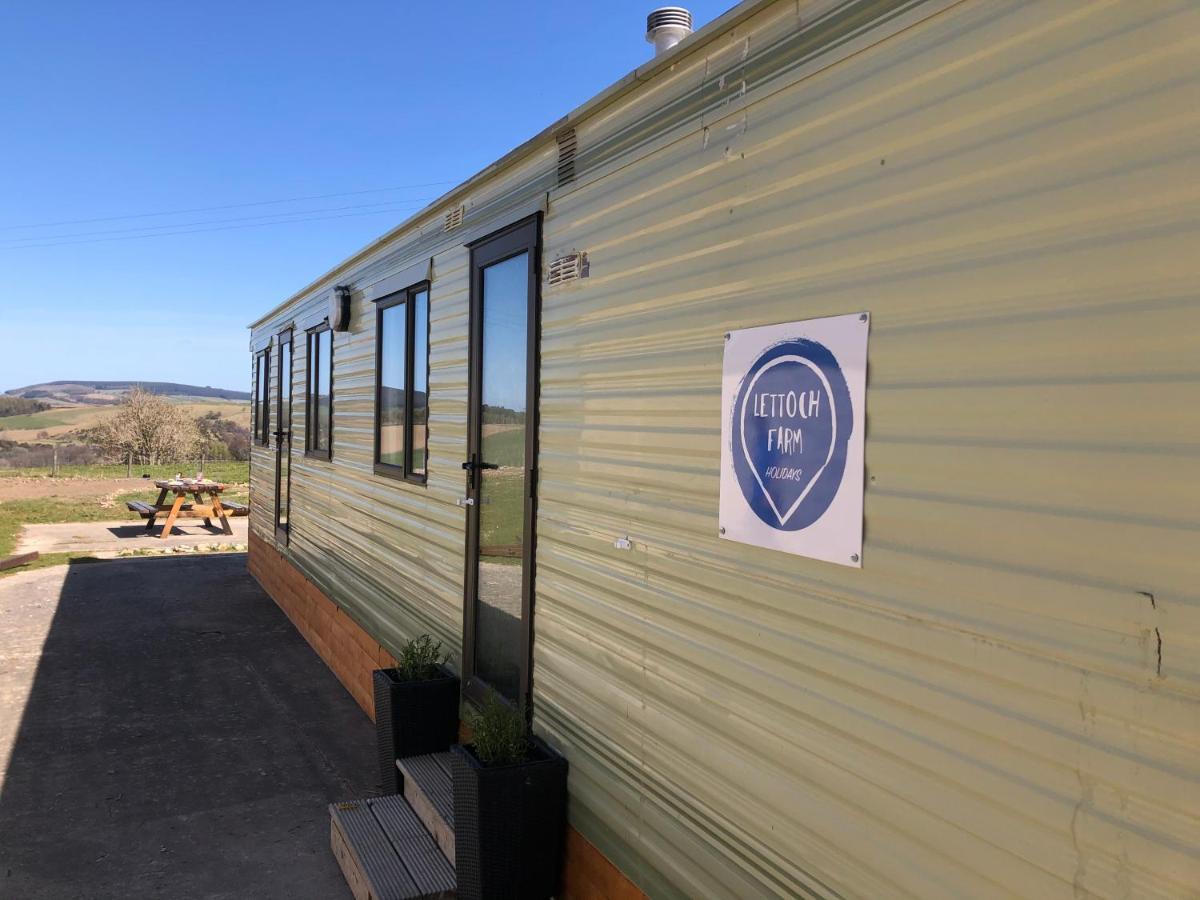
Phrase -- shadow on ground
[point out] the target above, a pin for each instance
(173, 736)
(127, 532)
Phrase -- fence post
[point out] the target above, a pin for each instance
(129, 465)
(54, 464)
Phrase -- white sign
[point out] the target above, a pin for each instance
(793, 413)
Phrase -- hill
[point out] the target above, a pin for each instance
(19, 406)
(105, 393)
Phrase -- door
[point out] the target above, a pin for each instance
(502, 463)
(283, 437)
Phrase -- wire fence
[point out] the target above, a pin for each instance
(73, 460)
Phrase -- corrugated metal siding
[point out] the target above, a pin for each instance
(1004, 700)
(390, 553)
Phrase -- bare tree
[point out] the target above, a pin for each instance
(149, 427)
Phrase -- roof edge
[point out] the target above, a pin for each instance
(694, 41)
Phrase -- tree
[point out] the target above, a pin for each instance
(223, 437)
(150, 427)
(20, 406)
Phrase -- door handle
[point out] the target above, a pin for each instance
(471, 465)
(465, 501)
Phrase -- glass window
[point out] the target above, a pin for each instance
(319, 393)
(262, 417)
(402, 383)
(418, 430)
(393, 346)
(502, 484)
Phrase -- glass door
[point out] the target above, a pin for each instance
(283, 437)
(501, 464)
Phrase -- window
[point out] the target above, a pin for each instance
(402, 384)
(318, 394)
(262, 411)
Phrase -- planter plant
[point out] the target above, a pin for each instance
(510, 797)
(416, 707)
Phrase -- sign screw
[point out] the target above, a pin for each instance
(722, 529)
(727, 335)
(863, 317)
(853, 557)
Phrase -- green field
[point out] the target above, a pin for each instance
(229, 472)
(33, 420)
(63, 420)
(505, 448)
(16, 513)
(502, 515)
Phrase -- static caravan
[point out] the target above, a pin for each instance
(803, 433)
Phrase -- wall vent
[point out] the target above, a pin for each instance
(567, 146)
(454, 218)
(568, 268)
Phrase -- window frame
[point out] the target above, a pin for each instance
(312, 367)
(406, 296)
(283, 436)
(262, 397)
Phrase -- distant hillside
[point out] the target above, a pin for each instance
(103, 393)
(19, 406)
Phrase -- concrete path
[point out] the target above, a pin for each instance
(109, 538)
(166, 732)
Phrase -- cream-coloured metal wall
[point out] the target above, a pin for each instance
(389, 552)
(1005, 700)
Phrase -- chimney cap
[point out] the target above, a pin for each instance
(667, 15)
(667, 26)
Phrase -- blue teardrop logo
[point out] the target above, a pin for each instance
(791, 426)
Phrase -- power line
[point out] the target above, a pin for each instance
(201, 230)
(177, 212)
(16, 242)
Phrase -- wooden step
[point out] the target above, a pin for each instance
(385, 851)
(430, 792)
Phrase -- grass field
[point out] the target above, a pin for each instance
(502, 515)
(229, 472)
(63, 419)
(16, 513)
(31, 421)
(504, 445)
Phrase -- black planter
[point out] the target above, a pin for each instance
(412, 718)
(509, 824)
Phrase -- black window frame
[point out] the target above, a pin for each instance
(262, 397)
(406, 296)
(283, 432)
(312, 365)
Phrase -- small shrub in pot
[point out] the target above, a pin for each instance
(510, 797)
(416, 707)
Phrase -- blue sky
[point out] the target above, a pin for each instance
(113, 110)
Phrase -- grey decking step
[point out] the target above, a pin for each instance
(429, 791)
(386, 853)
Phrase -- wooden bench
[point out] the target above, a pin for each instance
(148, 510)
(179, 509)
(205, 511)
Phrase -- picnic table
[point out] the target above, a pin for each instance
(207, 504)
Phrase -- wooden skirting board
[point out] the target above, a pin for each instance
(12, 562)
